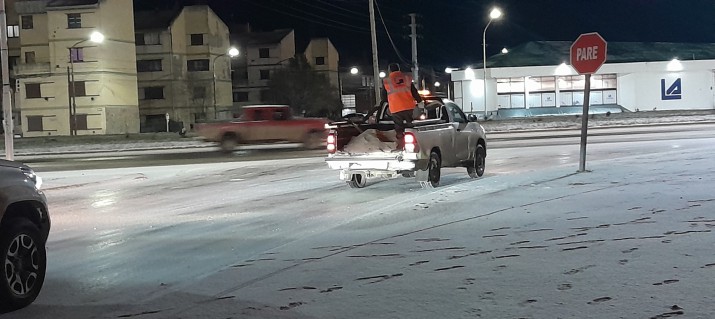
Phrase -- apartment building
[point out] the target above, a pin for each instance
(264, 53)
(183, 66)
(58, 61)
(324, 58)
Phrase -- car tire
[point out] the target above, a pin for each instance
(313, 141)
(24, 262)
(229, 142)
(434, 169)
(357, 181)
(479, 163)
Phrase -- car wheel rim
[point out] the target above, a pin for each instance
(21, 265)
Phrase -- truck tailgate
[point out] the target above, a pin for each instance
(384, 161)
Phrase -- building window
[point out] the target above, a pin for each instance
(198, 65)
(149, 66)
(13, 31)
(80, 88)
(154, 93)
(197, 39)
(80, 122)
(264, 53)
(240, 96)
(77, 54)
(510, 85)
(152, 38)
(34, 124)
(30, 57)
(74, 20)
(32, 91)
(139, 39)
(265, 74)
(320, 60)
(27, 23)
(199, 92)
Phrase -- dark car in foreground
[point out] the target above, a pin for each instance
(24, 227)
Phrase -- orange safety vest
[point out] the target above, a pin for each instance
(399, 92)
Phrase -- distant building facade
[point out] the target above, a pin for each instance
(261, 54)
(54, 31)
(535, 79)
(324, 58)
(183, 66)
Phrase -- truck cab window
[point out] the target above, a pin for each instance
(456, 113)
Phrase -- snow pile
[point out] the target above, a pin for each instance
(372, 141)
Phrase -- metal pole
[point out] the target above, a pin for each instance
(214, 84)
(6, 90)
(375, 63)
(415, 65)
(584, 124)
(73, 114)
(69, 97)
(484, 64)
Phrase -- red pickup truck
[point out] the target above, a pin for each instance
(264, 124)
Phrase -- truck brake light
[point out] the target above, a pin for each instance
(331, 143)
(410, 143)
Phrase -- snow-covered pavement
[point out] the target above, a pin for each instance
(285, 239)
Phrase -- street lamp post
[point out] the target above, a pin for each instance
(96, 37)
(495, 14)
(231, 53)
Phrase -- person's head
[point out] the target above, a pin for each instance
(393, 67)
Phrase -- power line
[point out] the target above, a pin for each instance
(344, 28)
(399, 55)
(349, 13)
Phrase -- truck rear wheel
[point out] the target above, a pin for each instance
(357, 181)
(228, 144)
(479, 164)
(313, 141)
(434, 169)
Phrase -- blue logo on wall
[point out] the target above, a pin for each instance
(674, 92)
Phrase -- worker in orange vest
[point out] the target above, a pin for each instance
(402, 96)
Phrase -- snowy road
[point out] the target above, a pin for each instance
(286, 239)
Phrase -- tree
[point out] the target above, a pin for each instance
(304, 89)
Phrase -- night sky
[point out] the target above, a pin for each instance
(451, 30)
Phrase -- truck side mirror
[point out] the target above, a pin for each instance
(472, 118)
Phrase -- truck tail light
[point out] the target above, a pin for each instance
(410, 143)
(331, 143)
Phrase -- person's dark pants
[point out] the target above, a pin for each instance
(402, 119)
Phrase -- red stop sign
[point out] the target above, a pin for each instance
(588, 53)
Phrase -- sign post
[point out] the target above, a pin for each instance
(588, 53)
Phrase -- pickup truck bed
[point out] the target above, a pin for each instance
(445, 139)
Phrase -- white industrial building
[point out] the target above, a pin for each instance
(535, 79)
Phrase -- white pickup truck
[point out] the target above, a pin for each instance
(363, 149)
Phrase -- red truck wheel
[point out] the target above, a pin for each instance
(229, 142)
(313, 141)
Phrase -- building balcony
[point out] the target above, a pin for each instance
(32, 69)
(30, 7)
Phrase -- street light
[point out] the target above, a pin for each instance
(437, 84)
(354, 71)
(495, 14)
(504, 51)
(96, 37)
(231, 53)
(383, 74)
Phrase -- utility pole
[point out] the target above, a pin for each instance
(6, 91)
(415, 65)
(375, 63)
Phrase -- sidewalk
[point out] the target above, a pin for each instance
(171, 141)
